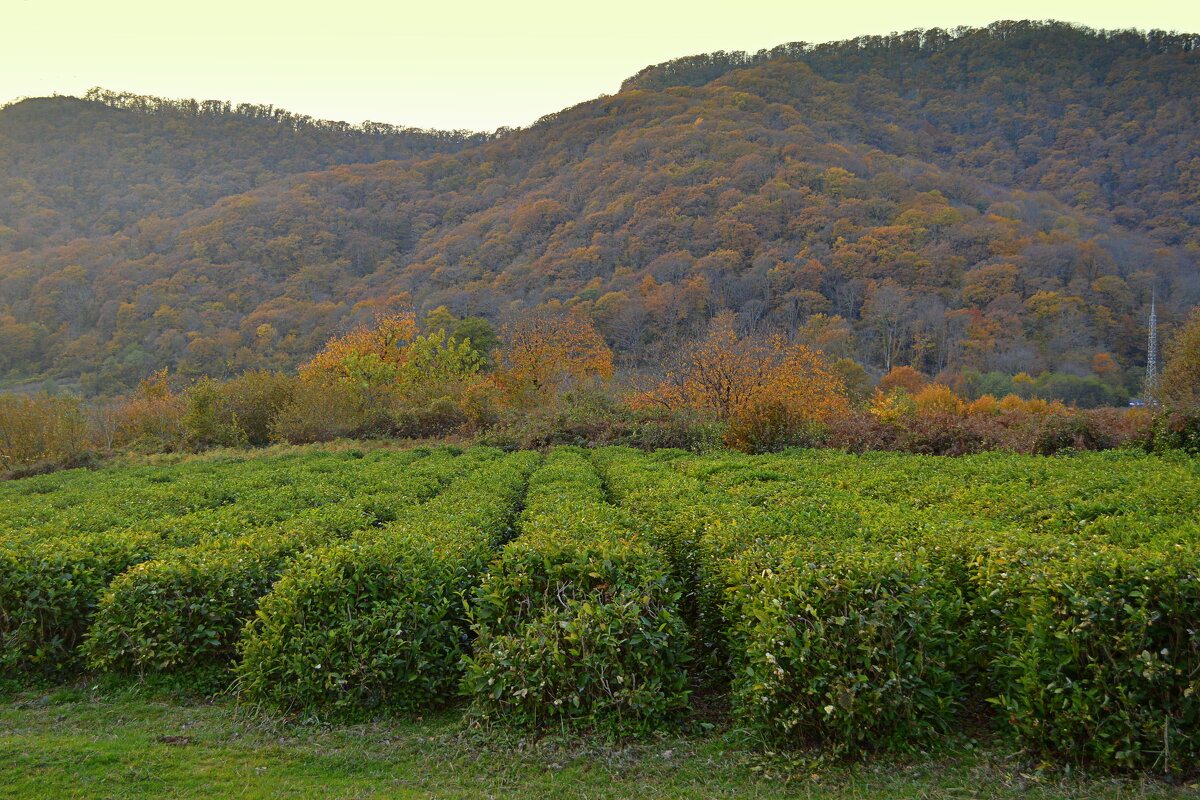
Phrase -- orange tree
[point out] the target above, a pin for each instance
(549, 351)
(771, 393)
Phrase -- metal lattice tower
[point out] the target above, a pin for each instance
(1152, 355)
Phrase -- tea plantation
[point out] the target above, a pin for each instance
(845, 604)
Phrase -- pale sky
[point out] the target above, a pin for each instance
(468, 64)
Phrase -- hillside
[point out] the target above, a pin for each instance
(997, 199)
(78, 167)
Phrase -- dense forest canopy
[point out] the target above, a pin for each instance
(72, 167)
(1003, 199)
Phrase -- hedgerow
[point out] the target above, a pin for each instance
(380, 620)
(578, 620)
(676, 510)
(851, 602)
(904, 554)
(48, 592)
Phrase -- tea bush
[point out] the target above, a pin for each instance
(577, 621)
(62, 549)
(185, 609)
(852, 602)
(854, 650)
(381, 620)
(1098, 657)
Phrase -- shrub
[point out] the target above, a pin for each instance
(1175, 430)
(853, 650)
(185, 609)
(40, 430)
(239, 411)
(684, 429)
(577, 622)
(1053, 433)
(441, 417)
(49, 590)
(56, 567)
(205, 421)
(149, 421)
(860, 432)
(84, 459)
(676, 511)
(321, 412)
(770, 427)
(937, 398)
(579, 418)
(381, 621)
(1098, 657)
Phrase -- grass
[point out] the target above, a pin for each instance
(77, 742)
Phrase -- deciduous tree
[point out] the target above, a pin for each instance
(548, 351)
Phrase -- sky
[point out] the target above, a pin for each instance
(452, 65)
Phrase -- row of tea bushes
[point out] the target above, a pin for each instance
(713, 531)
(578, 622)
(676, 510)
(381, 620)
(1074, 611)
(865, 603)
(830, 646)
(851, 602)
(50, 582)
(184, 611)
(854, 647)
(87, 501)
(1095, 655)
(1118, 495)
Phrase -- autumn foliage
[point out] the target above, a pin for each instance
(383, 378)
(380, 344)
(553, 382)
(151, 420)
(40, 428)
(546, 352)
(868, 197)
(767, 389)
(1180, 383)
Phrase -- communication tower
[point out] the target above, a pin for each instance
(1151, 387)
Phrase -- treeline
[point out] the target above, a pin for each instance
(549, 379)
(224, 109)
(901, 49)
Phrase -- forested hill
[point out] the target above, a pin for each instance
(72, 167)
(1105, 120)
(1006, 198)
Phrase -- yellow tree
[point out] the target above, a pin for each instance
(363, 382)
(1179, 386)
(548, 351)
(385, 340)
